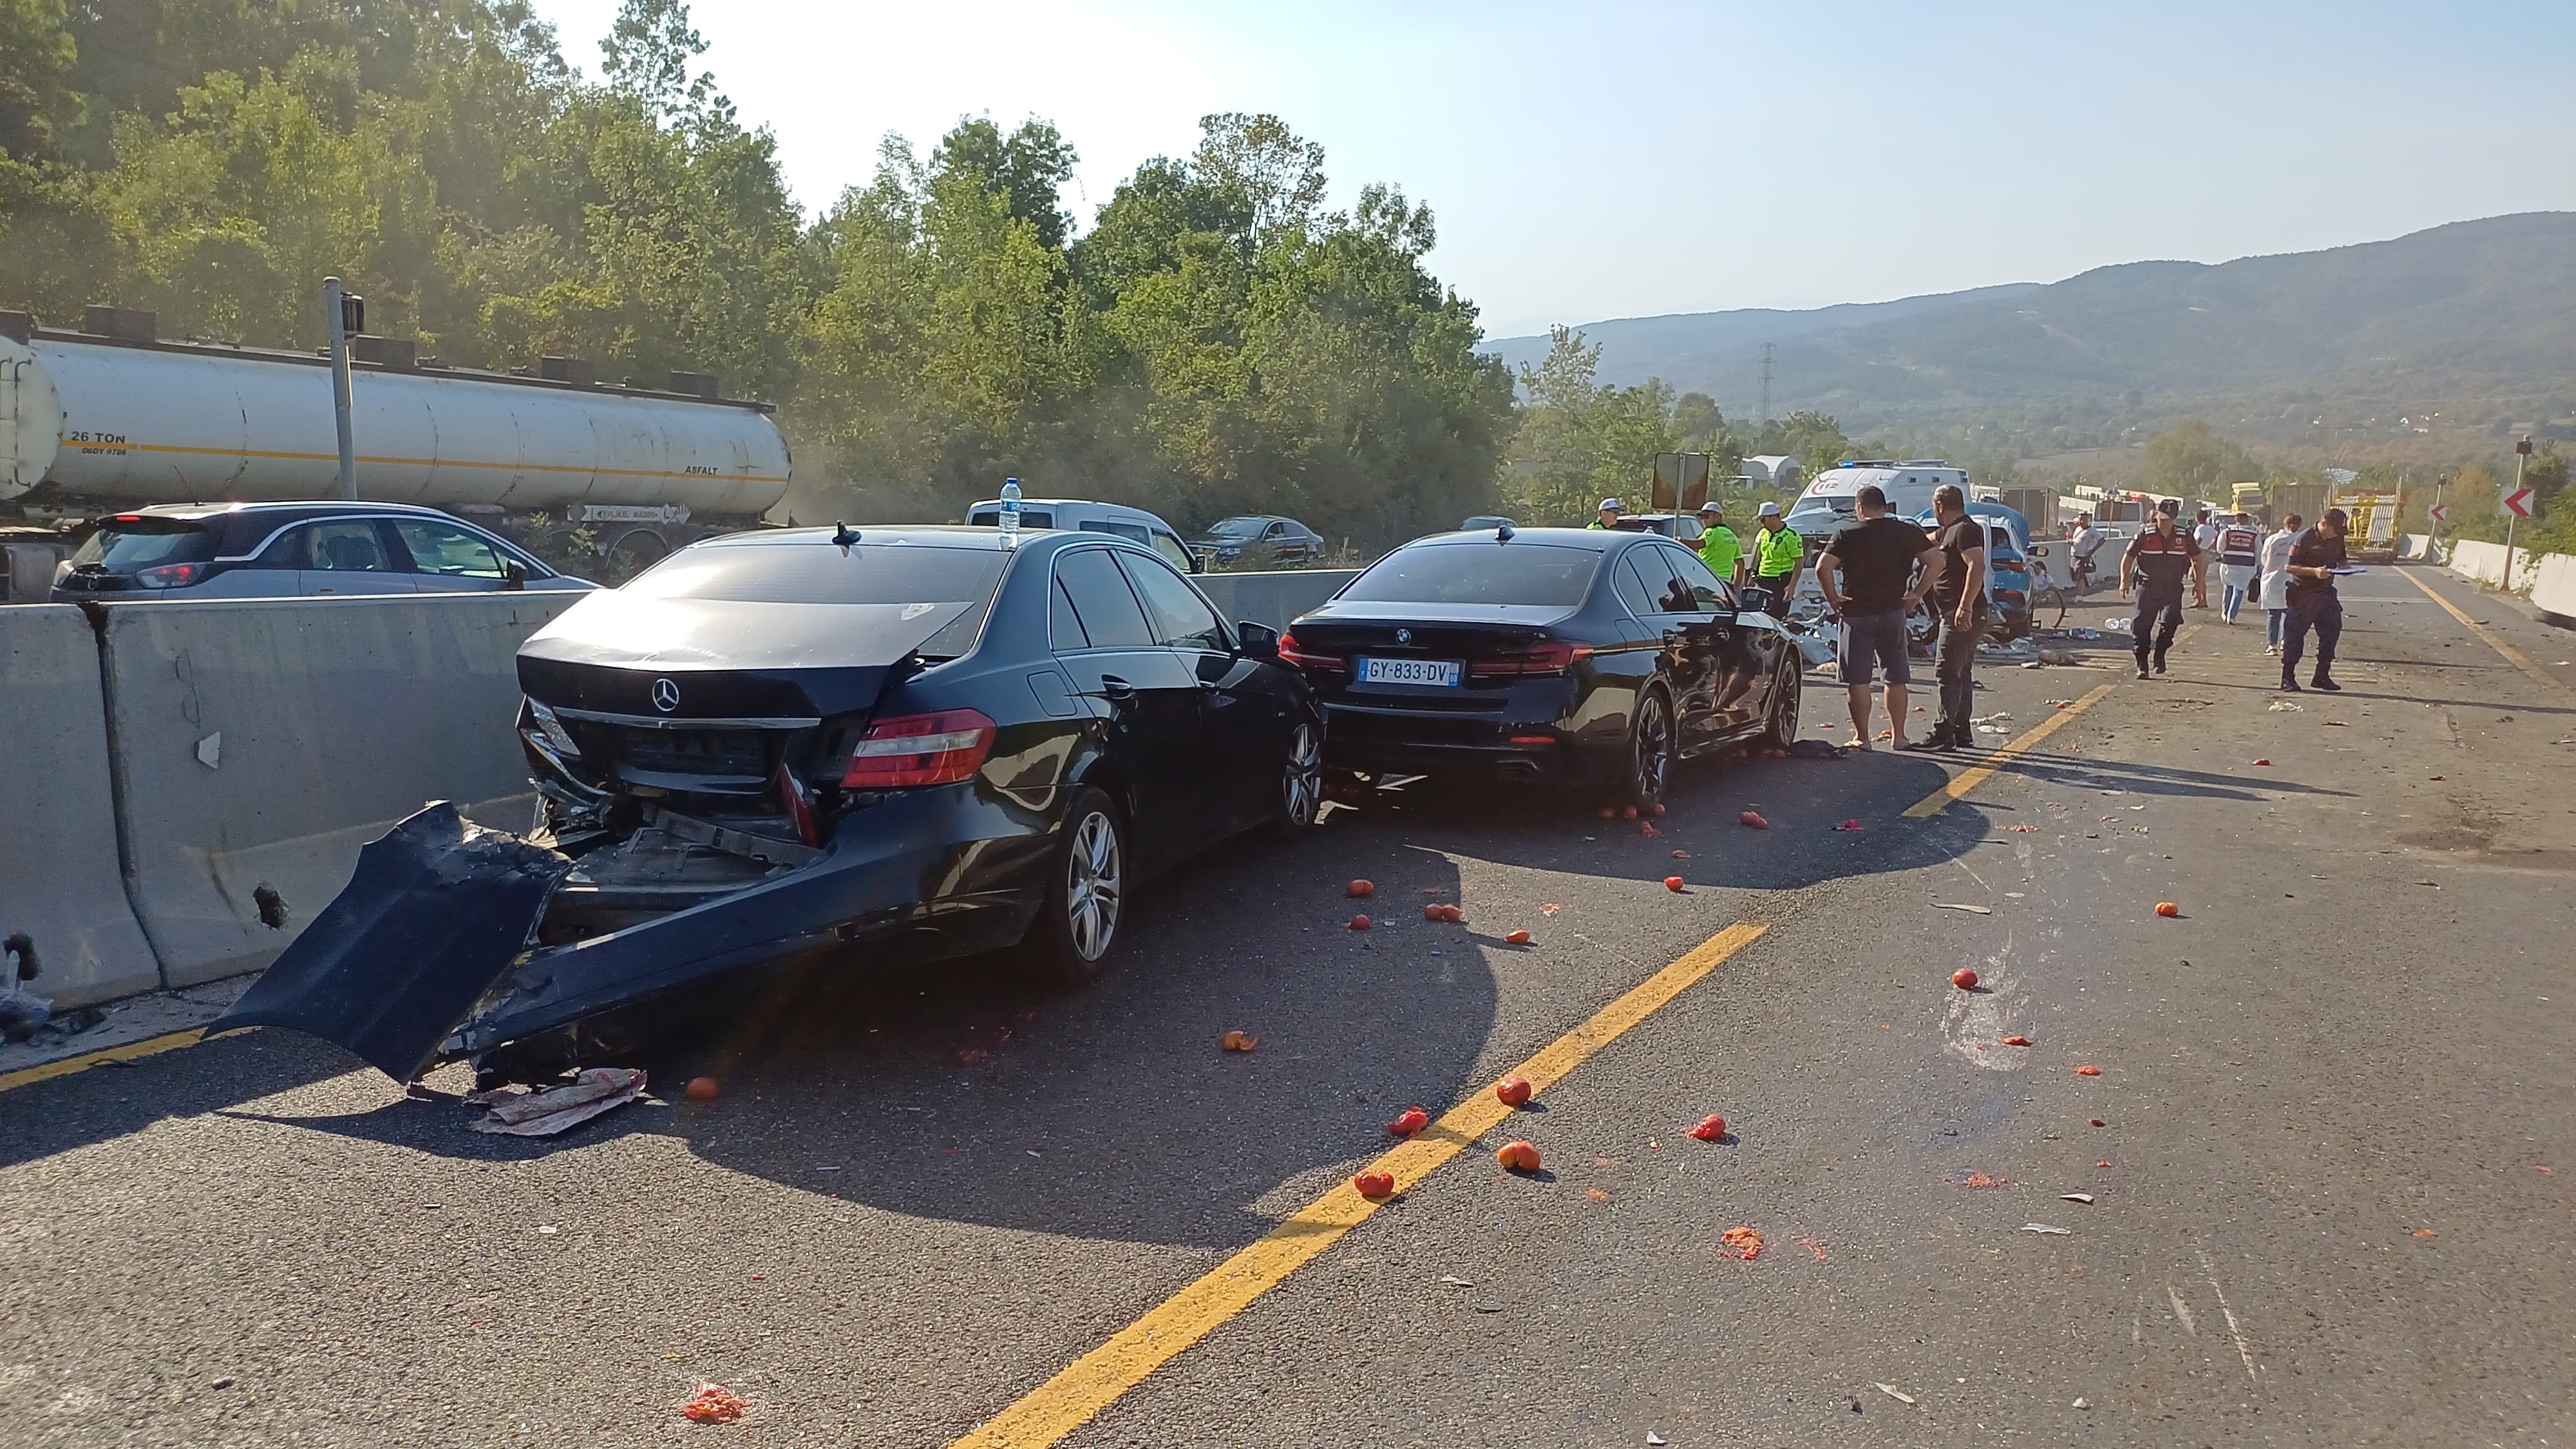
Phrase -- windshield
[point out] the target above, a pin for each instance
(124, 548)
(815, 571)
(1478, 573)
(1238, 527)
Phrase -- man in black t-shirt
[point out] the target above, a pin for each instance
(1959, 604)
(1863, 573)
(2159, 562)
(2314, 556)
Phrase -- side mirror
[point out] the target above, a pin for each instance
(1754, 601)
(514, 575)
(1259, 640)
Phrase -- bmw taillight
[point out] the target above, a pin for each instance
(1548, 658)
(920, 749)
(170, 576)
(1296, 655)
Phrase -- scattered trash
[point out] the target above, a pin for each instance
(1681, 855)
(1853, 826)
(1518, 1157)
(2168, 909)
(1513, 1091)
(1815, 750)
(1647, 829)
(1359, 923)
(2283, 706)
(2045, 1228)
(545, 1112)
(2089, 1072)
(2267, 763)
(2095, 1121)
(1980, 1180)
(23, 1015)
(1752, 820)
(1887, 734)
(1673, 883)
(2059, 656)
(547, 1230)
(2014, 1040)
(1359, 888)
(1743, 1244)
(1708, 1129)
(1454, 1281)
(1815, 1248)
(702, 1089)
(2083, 1403)
(1964, 978)
(1551, 908)
(1374, 1185)
(2085, 1198)
(713, 1404)
(2424, 1233)
(1238, 1041)
(1596, 1194)
(2023, 829)
(1957, 906)
(1893, 1392)
(1654, 1438)
(1516, 938)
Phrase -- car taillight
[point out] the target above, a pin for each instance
(1548, 658)
(1294, 654)
(170, 576)
(920, 749)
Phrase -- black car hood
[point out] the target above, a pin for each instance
(725, 658)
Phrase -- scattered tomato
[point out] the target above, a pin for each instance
(1518, 1157)
(1672, 883)
(2088, 1071)
(1752, 820)
(1709, 1129)
(1359, 923)
(701, 1089)
(1964, 979)
(1659, 810)
(713, 1404)
(2266, 762)
(1743, 1243)
(1374, 1185)
(1517, 938)
(2168, 909)
(1432, 913)
(1409, 1121)
(1238, 1041)
(1359, 888)
(1512, 1091)
(2016, 1041)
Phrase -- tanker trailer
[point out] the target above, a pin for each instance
(110, 417)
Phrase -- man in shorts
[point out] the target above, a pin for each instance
(1863, 573)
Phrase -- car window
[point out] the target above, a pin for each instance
(1030, 518)
(144, 544)
(811, 569)
(1276, 530)
(443, 548)
(1654, 570)
(1133, 533)
(1633, 592)
(1184, 618)
(1478, 572)
(1110, 616)
(1709, 593)
(350, 545)
(1064, 626)
(1171, 550)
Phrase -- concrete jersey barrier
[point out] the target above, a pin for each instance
(61, 886)
(256, 744)
(2484, 562)
(1273, 597)
(2553, 587)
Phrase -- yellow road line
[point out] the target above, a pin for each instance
(2517, 657)
(151, 1046)
(1969, 779)
(1101, 1377)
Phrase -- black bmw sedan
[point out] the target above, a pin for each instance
(1581, 657)
(778, 741)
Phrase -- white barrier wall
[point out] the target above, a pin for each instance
(258, 743)
(2553, 584)
(60, 885)
(1273, 597)
(2484, 562)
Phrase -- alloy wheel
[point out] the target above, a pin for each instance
(1093, 876)
(1654, 748)
(1301, 788)
(1785, 701)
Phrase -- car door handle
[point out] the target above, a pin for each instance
(1116, 688)
(1210, 685)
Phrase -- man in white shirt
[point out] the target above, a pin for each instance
(2275, 587)
(2205, 534)
(2087, 542)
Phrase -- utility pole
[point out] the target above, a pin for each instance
(344, 313)
(1765, 414)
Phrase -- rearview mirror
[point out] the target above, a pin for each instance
(1259, 640)
(1755, 601)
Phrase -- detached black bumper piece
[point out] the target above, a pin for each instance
(436, 911)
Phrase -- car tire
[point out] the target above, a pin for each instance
(1780, 717)
(1646, 770)
(1082, 924)
(1301, 779)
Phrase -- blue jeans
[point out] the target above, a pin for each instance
(2231, 599)
(2278, 616)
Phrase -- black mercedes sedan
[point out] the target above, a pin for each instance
(916, 739)
(1579, 657)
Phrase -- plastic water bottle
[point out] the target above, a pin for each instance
(1010, 513)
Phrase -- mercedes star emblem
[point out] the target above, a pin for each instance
(666, 695)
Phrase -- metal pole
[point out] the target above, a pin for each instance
(337, 317)
(2510, 517)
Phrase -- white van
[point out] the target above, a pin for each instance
(1828, 502)
(1133, 524)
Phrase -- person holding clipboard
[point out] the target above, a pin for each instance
(2315, 558)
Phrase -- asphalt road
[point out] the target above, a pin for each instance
(2330, 1188)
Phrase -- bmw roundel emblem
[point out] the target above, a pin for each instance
(666, 695)
(1403, 636)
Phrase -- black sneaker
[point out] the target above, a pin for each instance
(2142, 669)
(2289, 685)
(2160, 664)
(1932, 743)
(2328, 685)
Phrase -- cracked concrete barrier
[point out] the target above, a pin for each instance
(62, 896)
(258, 743)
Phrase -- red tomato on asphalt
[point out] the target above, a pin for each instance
(1710, 1128)
(1374, 1185)
(1409, 1121)
(1512, 1091)
(1518, 1157)
(1964, 979)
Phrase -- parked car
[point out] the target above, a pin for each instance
(2008, 593)
(286, 550)
(1115, 519)
(1590, 658)
(1485, 523)
(775, 742)
(1274, 540)
(1683, 526)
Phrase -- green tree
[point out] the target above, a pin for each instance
(2191, 461)
(1027, 168)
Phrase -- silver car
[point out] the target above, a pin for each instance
(289, 550)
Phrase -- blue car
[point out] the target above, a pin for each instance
(2007, 565)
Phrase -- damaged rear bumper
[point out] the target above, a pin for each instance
(433, 952)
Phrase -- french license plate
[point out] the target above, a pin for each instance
(1442, 673)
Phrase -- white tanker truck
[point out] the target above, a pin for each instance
(110, 418)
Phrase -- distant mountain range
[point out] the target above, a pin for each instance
(2477, 310)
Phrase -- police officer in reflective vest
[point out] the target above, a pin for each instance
(1779, 556)
(2160, 562)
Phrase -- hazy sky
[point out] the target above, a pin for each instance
(1591, 161)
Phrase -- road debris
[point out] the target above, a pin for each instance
(1851, 825)
(1673, 883)
(1744, 1244)
(1596, 1195)
(1518, 1157)
(1752, 820)
(1681, 855)
(1513, 1091)
(1374, 1185)
(2023, 829)
(2283, 706)
(1516, 938)
(1893, 1392)
(1654, 1438)
(713, 1404)
(550, 1110)
(2083, 1404)
(2021, 1041)
(1551, 908)
(1359, 923)
(2048, 1229)
(2085, 1198)
(1238, 1041)
(1957, 906)
(1707, 1129)
(1454, 1281)
(702, 1089)
(2424, 1233)
(1964, 978)
(1816, 749)
(1815, 1248)
(2266, 764)
(1359, 888)
(1409, 1121)
(1980, 1180)
(2168, 909)
(2089, 1072)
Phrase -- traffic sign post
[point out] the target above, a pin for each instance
(2518, 502)
(2441, 513)
(2517, 506)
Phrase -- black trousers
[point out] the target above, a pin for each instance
(1954, 657)
(2325, 615)
(2153, 603)
(1778, 584)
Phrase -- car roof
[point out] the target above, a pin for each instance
(1597, 540)
(964, 537)
(277, 506)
